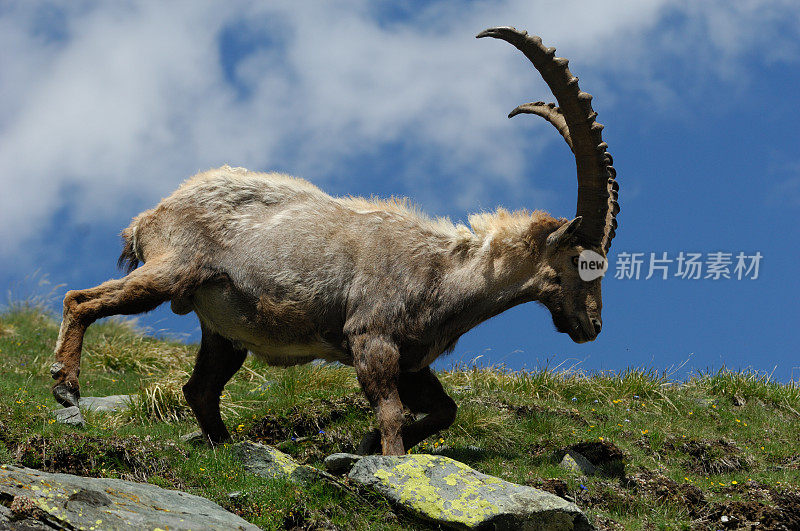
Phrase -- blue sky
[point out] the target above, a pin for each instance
(107, 107)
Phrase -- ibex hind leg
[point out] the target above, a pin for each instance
(421, 392)
(217, 361)
(142, 290)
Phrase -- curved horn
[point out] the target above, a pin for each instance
(575, 120)
(549, 112)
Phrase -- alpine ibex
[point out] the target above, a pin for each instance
(272, 265)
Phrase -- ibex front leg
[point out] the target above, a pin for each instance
(140, 291)
(377, 363)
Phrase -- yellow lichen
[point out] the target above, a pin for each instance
(415, 489)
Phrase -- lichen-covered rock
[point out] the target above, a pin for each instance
(69, 415)
(575, 462)
(270, 462)
(63, 501)
(450, 493)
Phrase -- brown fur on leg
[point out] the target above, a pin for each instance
(422, 392)
(217, 361)
(140, 291)
(376, 360)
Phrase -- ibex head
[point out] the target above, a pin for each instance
(574, 303)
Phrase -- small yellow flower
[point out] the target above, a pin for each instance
(691, 412)
(601, 439)
(734, 482)
(737, 420)
(645, 432)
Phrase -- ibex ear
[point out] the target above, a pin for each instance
(562, 234)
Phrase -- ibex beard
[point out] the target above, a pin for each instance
(274, 266)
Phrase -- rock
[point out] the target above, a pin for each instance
(738, 400)
(269, 462)
(43, 500)
(105, 403)
(196, 437)
(341, 463)
(575, 462)
(449, 493)
(604, 458)
(73, 416)
(599, 453)
(69, 415)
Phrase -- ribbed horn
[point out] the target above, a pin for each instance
(575, 120)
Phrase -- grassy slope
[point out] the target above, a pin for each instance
(692, 454)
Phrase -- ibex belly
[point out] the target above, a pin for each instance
(278, 332)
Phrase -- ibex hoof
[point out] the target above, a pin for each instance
(66, 395)
(55, 369)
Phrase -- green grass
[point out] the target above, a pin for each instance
(719, 443)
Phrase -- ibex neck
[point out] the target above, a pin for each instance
(487, 284)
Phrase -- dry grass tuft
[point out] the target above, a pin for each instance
(162, 399)
(7, 330)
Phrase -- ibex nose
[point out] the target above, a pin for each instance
(598, 324)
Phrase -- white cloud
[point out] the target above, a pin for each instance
(116, 103)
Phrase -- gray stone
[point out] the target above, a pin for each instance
(196, 437)
(575, 462)
(340, 463)
(64, 501)
(449, 493)
(69, 415)
(269, 462)
(105, 403)
(72, 415)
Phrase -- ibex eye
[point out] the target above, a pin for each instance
(575, 261)
(557, 280)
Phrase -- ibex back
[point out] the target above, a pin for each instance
(272, 265)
